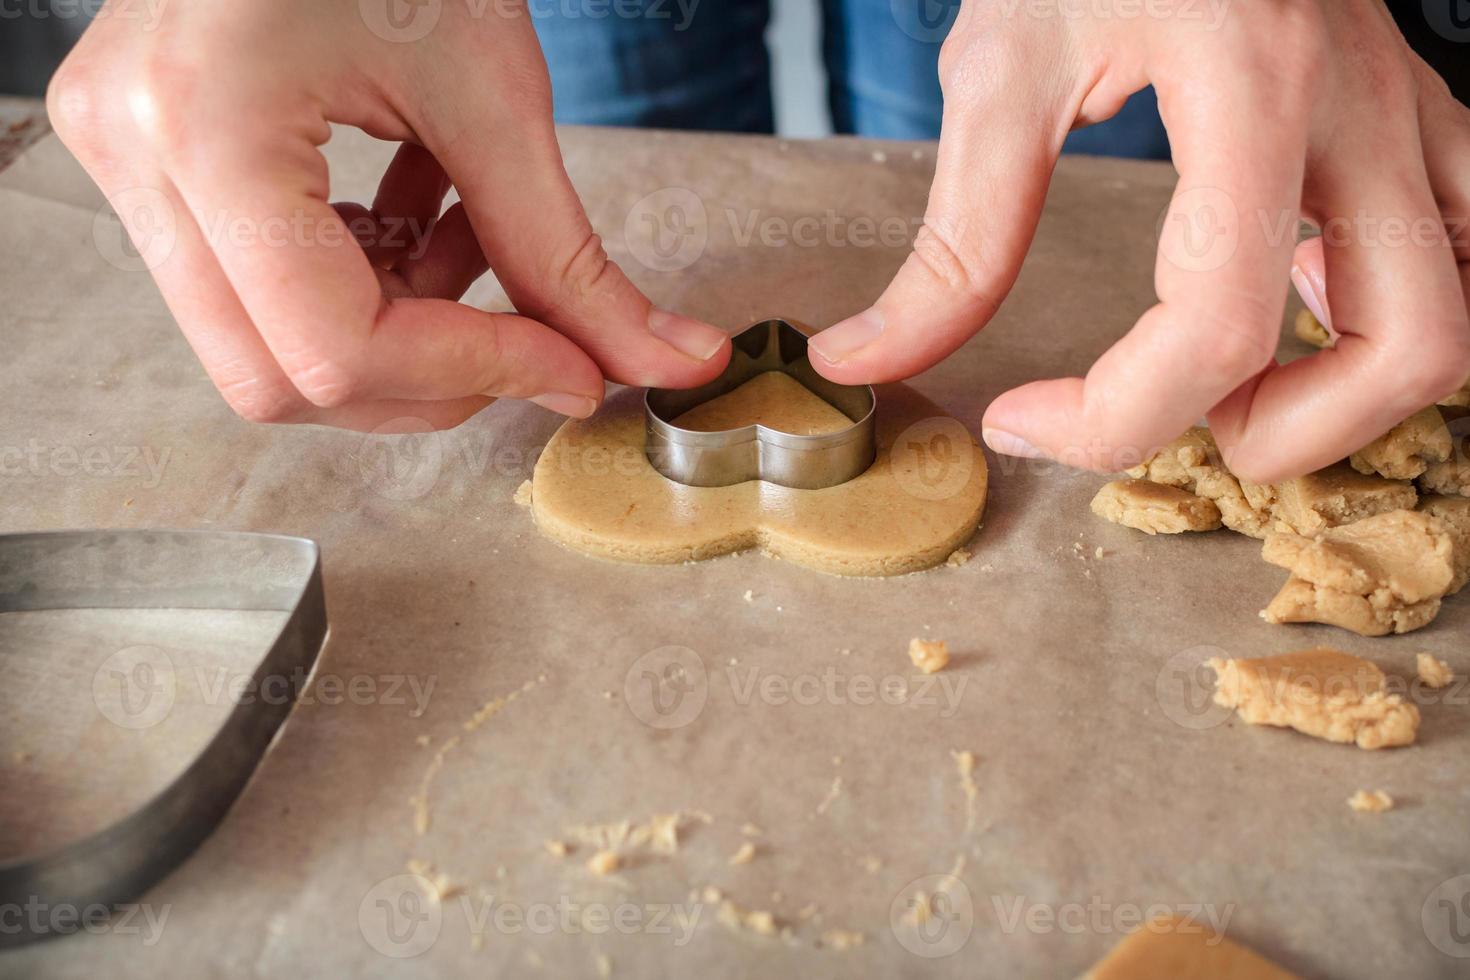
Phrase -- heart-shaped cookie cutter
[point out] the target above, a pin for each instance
(757, 452)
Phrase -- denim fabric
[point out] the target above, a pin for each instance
(702, 64)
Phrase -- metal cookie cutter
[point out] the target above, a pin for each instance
(65, 570)
(756, 452)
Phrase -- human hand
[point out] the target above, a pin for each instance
(1275, 110)
(305, 311)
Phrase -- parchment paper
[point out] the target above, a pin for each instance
(1100, 786)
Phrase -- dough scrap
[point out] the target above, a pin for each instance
(1433, 672)
(775, 400)
(1454, 514)
(1324, 693)
(1309, 329)
(1193, 462)
(930, 656)
(595, 492)
(1336, 496)
(1370, 801)
(1155, 508)
(1408, 449)
(1460, 399)
(1179, 949)
(1385, 574)
(1451, 477)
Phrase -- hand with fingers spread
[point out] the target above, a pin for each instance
(204, 132)
(1275, 110)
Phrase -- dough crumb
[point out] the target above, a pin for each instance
(749, 596)
(757, 921)
(1324, 693)
(1385, 574)
(603, 863)
(744, 855)
(965, 764)
(712, 895)
(557, 848)
(522, 495)
(833, 792)
(604, 966)
(958, 557)
(1433, 672)
(751, 830)
(1370, 801)
(440, 885)
(930, 656)
(1310, 330)
(871, 864)
(1154, 508)
(1099, 554)
(842, 939)
(1408, 449)
(422, 741)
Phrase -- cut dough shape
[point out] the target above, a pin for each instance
(774, 400)
(1154, 508)
(1454, 514)
(1433, 672)
(1193, 463)
(1310, 330)
(1370, 801)
(595, 491)
(1324, 693)
(1178, 949)
(1336, 496)
(1408, 449)
(1385, 574)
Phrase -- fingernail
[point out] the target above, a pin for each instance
(1310, 296)
(842, 340)
(1010, 444)
(577, 406)
(690, 337)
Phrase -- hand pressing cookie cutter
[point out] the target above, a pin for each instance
(756, 452)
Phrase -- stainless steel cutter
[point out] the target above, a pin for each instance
(756, 452)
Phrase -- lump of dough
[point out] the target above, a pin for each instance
(1385, 574)
(1452, 476)
(1324, 693)
(1370, 801)
(930, 656)
(1460, 399)
(1310, 330)
(1155, 508)
(1408, 449)
(1193, 463)
(1336, 496)
(1182, 949)
(1454, 514)
(1433, 672)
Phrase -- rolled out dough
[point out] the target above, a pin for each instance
(595, 491)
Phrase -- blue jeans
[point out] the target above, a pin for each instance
(703, 64)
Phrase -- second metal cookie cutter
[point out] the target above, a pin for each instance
(757, 452)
